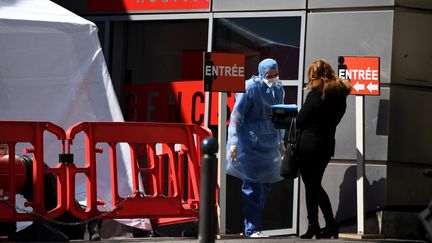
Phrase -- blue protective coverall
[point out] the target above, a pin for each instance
(252, 131)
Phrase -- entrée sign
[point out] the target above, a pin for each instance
(363, 73)
(224, 72)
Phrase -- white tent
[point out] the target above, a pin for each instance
(52, 69)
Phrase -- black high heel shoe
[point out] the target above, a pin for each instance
(313, 230)
(330, 231)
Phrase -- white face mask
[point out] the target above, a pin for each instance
(271, 82)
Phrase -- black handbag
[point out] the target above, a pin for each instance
(289, 167)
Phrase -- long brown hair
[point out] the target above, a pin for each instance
(323, 77)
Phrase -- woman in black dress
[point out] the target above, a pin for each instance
(321, 112)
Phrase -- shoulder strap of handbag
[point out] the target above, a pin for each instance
(292, 133)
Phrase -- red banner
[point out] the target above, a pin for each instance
(363, 73)
(181, 102)
(146, 5)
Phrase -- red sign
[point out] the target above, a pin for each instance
(181, 102)
(146, 5)
(363, 73)
(224, 72)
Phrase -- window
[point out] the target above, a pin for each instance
(146, 56)
(156, 50)
(259, 38)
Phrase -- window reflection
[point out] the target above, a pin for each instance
(257, 39)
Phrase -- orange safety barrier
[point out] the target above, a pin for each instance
(11, 133)
(171, 177)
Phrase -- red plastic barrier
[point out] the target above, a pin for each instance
(21, 173)
(13, 132)
(170, 174)
(171, 177)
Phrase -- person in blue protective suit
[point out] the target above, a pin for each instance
(254, 144)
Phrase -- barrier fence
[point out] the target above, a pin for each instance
(164, 161)
(11, 133)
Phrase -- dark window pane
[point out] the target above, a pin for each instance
(165, 51)
(101, 32)
(290, 94)
(257, 39)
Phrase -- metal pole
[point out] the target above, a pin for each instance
(207, 102)
(222, 129)
(207, 211)
(360, 162)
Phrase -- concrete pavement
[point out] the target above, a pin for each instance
(262, 240)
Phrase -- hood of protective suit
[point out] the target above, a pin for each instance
(266, 65)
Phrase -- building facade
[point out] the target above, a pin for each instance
(151, 44)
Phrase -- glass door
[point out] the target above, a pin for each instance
(277, 35)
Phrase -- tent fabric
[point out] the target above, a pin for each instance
(52, 69)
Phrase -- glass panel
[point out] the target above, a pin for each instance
(290, 94)
(278, 211)
(259, 38)
(162, 51)
(146, 56)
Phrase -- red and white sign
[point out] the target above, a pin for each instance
(181, 102)
(224, 72)
(363, 73)
(146, 5)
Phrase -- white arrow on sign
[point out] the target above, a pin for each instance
(358, 86)
(372, 87)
